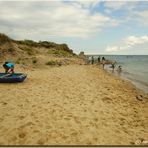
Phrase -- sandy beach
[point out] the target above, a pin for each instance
(72, 105)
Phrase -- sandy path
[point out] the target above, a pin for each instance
(74, 104)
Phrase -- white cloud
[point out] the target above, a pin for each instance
(115, 5)
(129, 43)
(87, 3)
(143, 18)
(126, 12)
(121, 4)
(48, 18)
(132, 40)
(112, 49)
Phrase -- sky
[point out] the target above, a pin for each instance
(93, 26)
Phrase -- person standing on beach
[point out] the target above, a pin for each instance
(89, 60)
(99, 59)
(103, 58)
(92, 60)
(103, 62)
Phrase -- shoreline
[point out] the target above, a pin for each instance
(72, 105)
(134, 68)
(137, 83)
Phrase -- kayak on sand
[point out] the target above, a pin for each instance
(12, 78)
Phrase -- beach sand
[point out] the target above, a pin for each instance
(72, 105)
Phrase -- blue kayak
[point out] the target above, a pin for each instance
(12, 78)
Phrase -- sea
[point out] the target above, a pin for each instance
(134, 68)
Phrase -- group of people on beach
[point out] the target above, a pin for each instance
(103, 61)
(113, 65)
(9, 67)
(91, 59)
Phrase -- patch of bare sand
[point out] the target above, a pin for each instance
(75, 104)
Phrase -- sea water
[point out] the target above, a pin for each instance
(134, 68)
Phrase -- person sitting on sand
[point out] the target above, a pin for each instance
(9, 67)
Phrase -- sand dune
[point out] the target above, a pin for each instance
(72, 105)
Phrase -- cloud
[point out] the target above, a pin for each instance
(112, 49)
(115, 5)
(87, 3)
(52, 18)
(143, 18)
(132, 40)
(121, 4)
(129, 43)
(128, 11)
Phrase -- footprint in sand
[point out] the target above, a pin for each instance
(41, 141)
(21, 117)
(95, 119)
(74, 133)
(106, 100)
(29, 123)
(22, 135)
(4, 103)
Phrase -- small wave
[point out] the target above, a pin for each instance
(134, 78)
(139, 81)
(126, 72)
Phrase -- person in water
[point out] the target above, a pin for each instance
(119, 69)
(113, 64)
(9, 67)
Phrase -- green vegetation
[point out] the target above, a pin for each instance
(29, 50)
(4, 38)
(28, 43)
(45, 44)
(30, 46)
(34, 61)
(18, 61)
(59, 52)
(57, 49)
(23, 63)
(53, 63)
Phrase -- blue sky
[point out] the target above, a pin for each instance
(93, 26)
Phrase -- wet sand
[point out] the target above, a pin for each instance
(72, 105)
